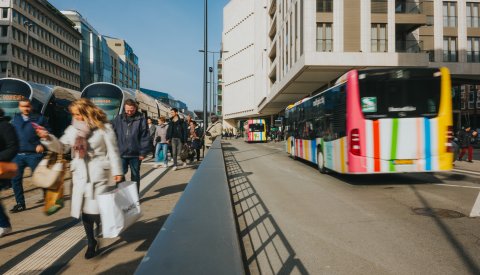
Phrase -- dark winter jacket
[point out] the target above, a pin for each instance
(132, 135)
(8, 140)
(28, 139)
(177, 129)
(465, 138)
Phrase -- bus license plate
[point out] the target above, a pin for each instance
(403, 161)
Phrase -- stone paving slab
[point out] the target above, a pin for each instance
(33, 231)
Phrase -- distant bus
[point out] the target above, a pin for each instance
(376, 121)
(111, 98)
(255, 130)
(48, 100)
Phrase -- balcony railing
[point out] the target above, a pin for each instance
(379, 6)
(324, 45)
(408, 7)
(450, 56)
(409, 46)
(473, 57)
(473, 21)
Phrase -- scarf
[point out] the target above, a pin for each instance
(80, 147)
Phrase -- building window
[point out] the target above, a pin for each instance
(472, 15)
(3, 49)
(379, 38)
(471, 97)
(473, 49)
(324, 37)
(478, 97)
(3, 67)
(4, 31)
(450, 49)
(449, 14)
(4, 13)
(324, 5)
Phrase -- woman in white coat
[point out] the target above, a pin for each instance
(95, 158)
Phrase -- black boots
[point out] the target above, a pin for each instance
(88, 221)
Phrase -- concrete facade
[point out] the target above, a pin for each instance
(290, 49)
(53, 50)
(125, 69)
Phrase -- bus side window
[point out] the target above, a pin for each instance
(37, 106)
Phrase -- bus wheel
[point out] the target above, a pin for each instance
(321, 163)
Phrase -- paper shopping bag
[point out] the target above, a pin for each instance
(119, 208)
(54, 199)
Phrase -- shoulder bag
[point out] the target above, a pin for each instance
(50, 170)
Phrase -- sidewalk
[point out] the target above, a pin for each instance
(41, 244)
(474, 166)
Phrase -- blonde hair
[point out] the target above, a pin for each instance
(93, 116)
(162, 118)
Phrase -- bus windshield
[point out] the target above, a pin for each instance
(11, 92)
(106, 97)
(256, 127)
(400, 93)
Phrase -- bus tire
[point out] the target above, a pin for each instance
(321, 162)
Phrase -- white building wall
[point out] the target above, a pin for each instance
(239, 62)
(261, 20)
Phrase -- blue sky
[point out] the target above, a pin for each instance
(166, 36)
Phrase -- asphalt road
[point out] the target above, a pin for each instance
(294, 220)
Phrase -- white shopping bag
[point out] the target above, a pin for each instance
(119, 208)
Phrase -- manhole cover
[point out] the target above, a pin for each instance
(438, 212)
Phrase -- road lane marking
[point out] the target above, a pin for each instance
(48, 254)
(466, 171)
(453, 185)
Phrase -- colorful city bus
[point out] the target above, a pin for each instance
(48, 100)
(255, 130)
(376, 121)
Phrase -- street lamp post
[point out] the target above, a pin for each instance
(205, 49)
(28, 25)
(211, 70)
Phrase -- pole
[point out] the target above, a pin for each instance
(205, 48)
(28, 25)
(211, 91)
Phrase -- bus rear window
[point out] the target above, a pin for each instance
(256, 127)
(400, 93)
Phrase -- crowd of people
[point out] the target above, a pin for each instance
(101, 152)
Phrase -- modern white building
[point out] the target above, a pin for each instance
(280, 51)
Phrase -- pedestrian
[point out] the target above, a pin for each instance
(161, 144)
(176, 135)
(194, 137)
(466, 138)
(8, 150)
(213, 131)
(151, 131)
(30, 151)
(133, 139)
(95, 157)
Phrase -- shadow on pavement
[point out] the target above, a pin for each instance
(164, 191)
(125, 268)
(449, 236)
(265, 248)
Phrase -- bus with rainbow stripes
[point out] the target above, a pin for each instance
(255, 130)
(376, 121)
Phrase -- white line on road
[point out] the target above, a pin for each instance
(476, 208)
(45, 256)
(466, 171)
(453, 185)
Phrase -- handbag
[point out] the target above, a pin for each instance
(119, 208)
(8, 170)
(49, 171)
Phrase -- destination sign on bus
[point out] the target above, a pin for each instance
(7, 97)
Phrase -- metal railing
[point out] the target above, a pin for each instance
(473, 56)
(450, 56)
(409, 46)
(408, 7)
(200, 236)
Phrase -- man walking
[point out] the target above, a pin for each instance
(133, 139)
(213, 131)
(30, 151)
(176, 135)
